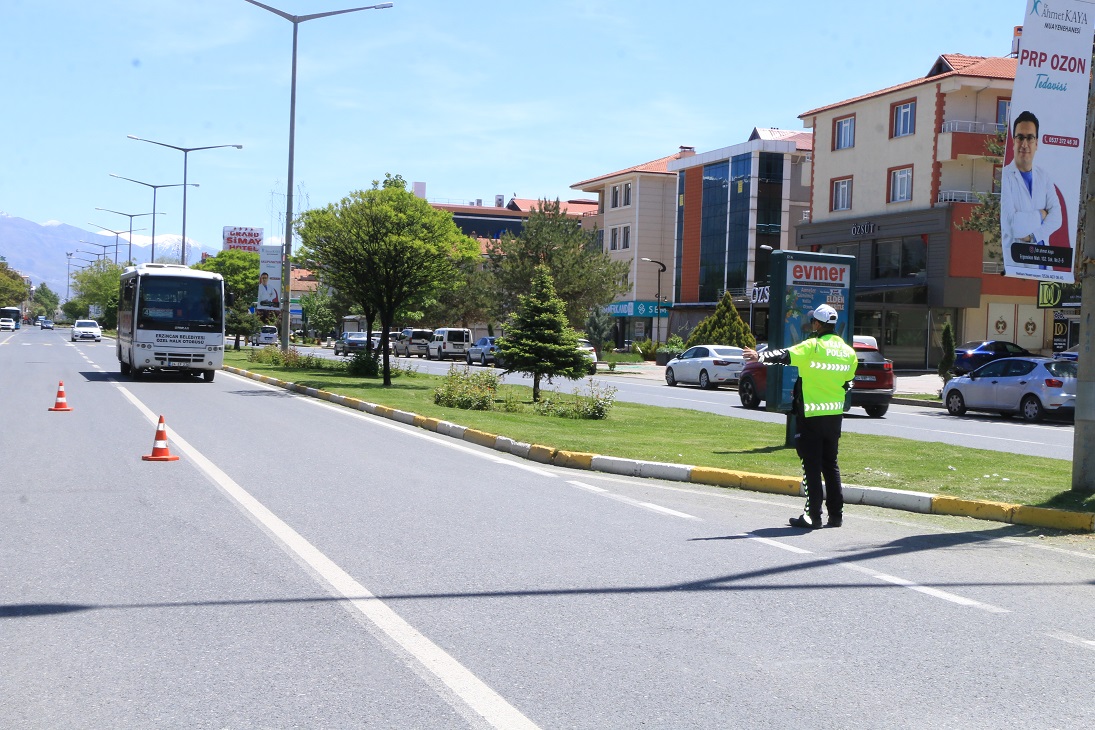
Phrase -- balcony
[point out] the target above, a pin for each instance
(964, 139)
(958, 125)
(961, 196)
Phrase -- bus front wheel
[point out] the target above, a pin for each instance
(125, 368)
(209, 375)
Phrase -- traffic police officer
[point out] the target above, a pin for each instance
(826, 364)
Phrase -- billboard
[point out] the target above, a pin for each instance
(802, 280)
(242, 239)
(269, 291)
(1040, 181)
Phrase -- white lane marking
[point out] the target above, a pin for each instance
(934, 592)
(465, 685)
(780, 545)
(628, 500)
(1072, 639)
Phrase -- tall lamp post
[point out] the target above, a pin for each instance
(78, 258)
(286, 268)
(131, 217)
(154, 189)
(658, 296)
(116, 235)
(186, 151)
(96, 254)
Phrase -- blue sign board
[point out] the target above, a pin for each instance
(637, 309)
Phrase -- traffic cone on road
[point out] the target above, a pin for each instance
(160, 452)
(61, 404)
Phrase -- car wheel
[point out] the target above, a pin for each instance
(1031, 408)
(747, 391)
(670, 378)
(877, 411)
(209, 375)
(705, 381)
(956, 404)
(482, 359)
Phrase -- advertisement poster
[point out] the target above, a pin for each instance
(801, 281)
(242, 239)
(1040, 181)
(269, 291)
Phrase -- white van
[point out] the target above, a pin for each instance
(449, 342)
(267, 335)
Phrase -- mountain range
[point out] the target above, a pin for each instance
(40, 250)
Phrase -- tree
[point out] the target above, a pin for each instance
(600, 327)
(240, 321)
(985, 216)
(724, 327)
(240, 270)
(317, 310)
(947, 361)
(97, 286)
(46, 301)
(469, 300)
(538, 340)
(13, 290)
(585, 276)
(385, 249)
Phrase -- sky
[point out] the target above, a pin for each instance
(475, 98)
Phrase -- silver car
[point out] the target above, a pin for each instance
(708, 366)
(1028, 386)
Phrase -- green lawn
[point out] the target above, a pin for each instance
(704, 439)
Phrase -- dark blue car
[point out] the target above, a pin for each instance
(972, 355)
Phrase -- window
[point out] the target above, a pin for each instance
(844, 133)
(900, 185)
(627, 194)
(904, 118)
(997, 177)
(615, 196)
(900, 258)
(625, 238)
(842, 194)
(615, 239)
(1003, 111)
(601, 239)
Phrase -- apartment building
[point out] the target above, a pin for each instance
(894, 172)
(636, 220)
(735, 205)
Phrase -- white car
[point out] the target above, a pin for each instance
(7, 323)
(267, 335)
(86, 329)
(708, 366)
(591, 352)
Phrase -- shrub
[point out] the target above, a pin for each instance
(292, 359)
(364, 364)
(647, 348)
(470, 391)
(946, 362)
(594, 406)
(674, 346)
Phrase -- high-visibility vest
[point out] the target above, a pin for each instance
(824, 365)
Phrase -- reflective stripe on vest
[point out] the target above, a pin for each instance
(824, 364)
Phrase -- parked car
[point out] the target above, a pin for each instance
(376, 339)
(449, 342)
(7, 324)
(972, 355)
(483, 351)
(267, 335)
(413, 342)
(1028, 386)
(591, 352)
(45, 324)
(1072, 354)
(708, 366)
(351, 342)
(86, 329)
(872, 388)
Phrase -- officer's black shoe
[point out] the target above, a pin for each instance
(805, 523)
(835, 522)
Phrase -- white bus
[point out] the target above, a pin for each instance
(170, 317)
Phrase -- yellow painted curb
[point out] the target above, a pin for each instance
(480, 437)
(384, 411)
(430, 424)
(995, 511)
(542, 454)
(1054, 518)
(771, 483)
(573, 459)
(716, 477)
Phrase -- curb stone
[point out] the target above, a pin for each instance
(907, 501)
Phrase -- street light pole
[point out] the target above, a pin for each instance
(287, 250)
(186, 151)
(131, 217)
(152, 258)
(658, 296)
(96, 254)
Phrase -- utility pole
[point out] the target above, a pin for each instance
(1083, 456)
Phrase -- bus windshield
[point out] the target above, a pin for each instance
(179, 304)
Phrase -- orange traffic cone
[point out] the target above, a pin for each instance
(160, 452)
(61, 404)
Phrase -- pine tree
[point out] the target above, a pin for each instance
(538, 340)
(947, 361)
(724, 327)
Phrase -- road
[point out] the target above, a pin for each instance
(1050, 438)
(304, 565)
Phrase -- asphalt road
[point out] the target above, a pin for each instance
(304, 565)
(1050, 438)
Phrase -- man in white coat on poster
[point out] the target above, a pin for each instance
(1030, 209)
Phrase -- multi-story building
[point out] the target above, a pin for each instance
(636, 219)
(895, 171)
(734, 206)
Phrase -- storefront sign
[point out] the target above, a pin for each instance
(1052, 295)
(637, 309)
(242, 239)
(862, 229)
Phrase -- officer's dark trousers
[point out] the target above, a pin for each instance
(817, 440)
